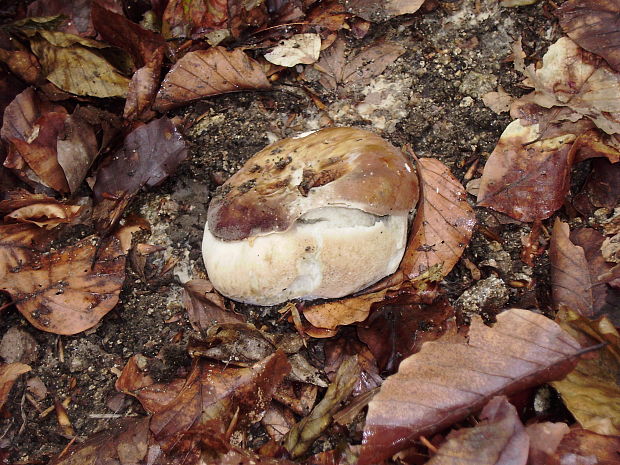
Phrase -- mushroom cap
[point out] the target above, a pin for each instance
(338, 167)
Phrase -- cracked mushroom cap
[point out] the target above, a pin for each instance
(318, 216)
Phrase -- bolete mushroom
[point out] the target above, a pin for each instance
(318, 216)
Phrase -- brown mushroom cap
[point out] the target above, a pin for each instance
(340, 167)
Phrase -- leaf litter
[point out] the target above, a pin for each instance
(240, 373)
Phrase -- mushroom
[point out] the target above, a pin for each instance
(322, 215)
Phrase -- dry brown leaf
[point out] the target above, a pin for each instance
(593, 24)
(499, 102)
(31, 126)
(571, 77)
(371, 10)
(582, 447)
(9, 372)
(451, 378)
(18, 244)
(499, 439)
(576, 267)
(299, 49)
(570, 278)
(77, 148)
(342, 312)
(46, 212)
(527, 177)
(443, 224)
(591, 391)
(544, 440)
(205, 307)
(68, 290)
(74, 65)
(215, 392)
(203, 73)
(78, 13)
(339, 71)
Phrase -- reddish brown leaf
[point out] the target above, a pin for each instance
(9, 372)
(343, 311)
(209, 72)
(68, 290)
(577, 263)
(78, 13)
(444, 222)
(602, 188)
(184, 20)
(451, 378)
(398, 329)
(582, 447)
(346, 346)
(500, 439)
(127, 443)
(527, 178)
(214, 392)
(593, 24)
(32, 127)
(143, 89)
(205, 307)
(148, 156)
(544, 440)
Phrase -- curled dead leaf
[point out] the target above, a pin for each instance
(9, 372)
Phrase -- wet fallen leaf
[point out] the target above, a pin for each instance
(299, 49)
(215, 392)
(68, 290)
(593, 25)
(9, 372)
(380, 11)
(452, 377)
(19, 60)
(205, 307)
(19, 243)
(75, 67)
(209, 72)
(303, 434)
(398, 329)
(147, 50)
(577, 263)
(527, 177)
(339, 70)
(31, 127)
(278, 421)
(45, 215)
(498, 439)
(582, 447)
(149, 155)
(591, 391)
(78, 13)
